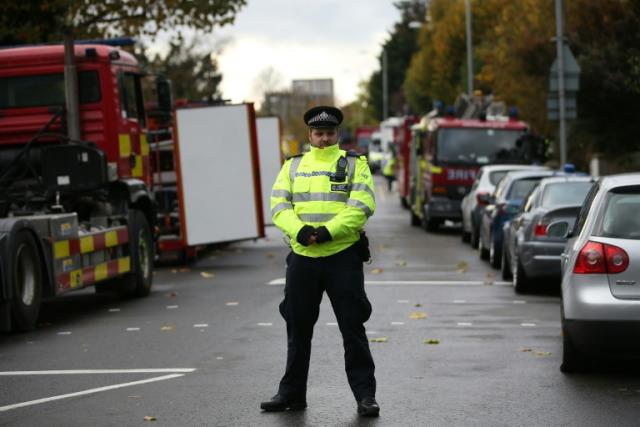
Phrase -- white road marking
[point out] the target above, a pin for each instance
(172, 307)
(530, 325)
(465, 324)
(519, 301)
(397, 323)
(64, 333)
(97, 371)
(459, 301)
(265, 324)
(114, 310)
(132, 329)
(85, 392)
(201, 325)
(219, 358)
(332, 324)
(281, 281)
(232, 304)
(403, 301)
(372, 332)
(433, 283)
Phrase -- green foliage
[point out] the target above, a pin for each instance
(36, 21)
(193, 73)
(400, 47)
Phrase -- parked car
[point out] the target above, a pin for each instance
(505, 204)
(528, 252)
(601, 275)
(478, 197)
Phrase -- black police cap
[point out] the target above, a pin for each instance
(323, 117)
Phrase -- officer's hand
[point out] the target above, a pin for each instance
(305, 234)
(313, 239)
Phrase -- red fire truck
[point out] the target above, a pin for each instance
(445, 155)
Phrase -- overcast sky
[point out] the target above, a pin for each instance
(302, 39)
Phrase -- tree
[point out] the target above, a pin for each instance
(193, 72)
(400, 47)
(35, 21)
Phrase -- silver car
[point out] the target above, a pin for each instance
(601, 275)
(478, 197)
(529, 255)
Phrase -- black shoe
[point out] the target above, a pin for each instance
(280, 403)
(368, 407)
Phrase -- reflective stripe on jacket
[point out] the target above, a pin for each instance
(313, 199)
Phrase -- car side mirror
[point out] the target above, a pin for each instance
(559, 229)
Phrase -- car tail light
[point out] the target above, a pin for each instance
(617, 259)
(540, 229)
(482, 198)
(439, 190)
(600, 258)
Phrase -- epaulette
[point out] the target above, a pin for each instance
(295, 155)
(352, 153)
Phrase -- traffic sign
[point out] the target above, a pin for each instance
(571, 72)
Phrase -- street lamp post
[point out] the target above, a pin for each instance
(469, 56)
(385, 85)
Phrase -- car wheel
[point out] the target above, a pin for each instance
(482, 251)
(520, 279)
(428, 223)
(505, 264)
(474, 237)
(573, 361)
(495, 255)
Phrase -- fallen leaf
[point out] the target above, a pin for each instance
(184, 270)
(542, 353)
(525, 349)
(207, 275)
(462, 266)
(432, 341)
(172, 295)
(418, 315)
(418, 305)
(271, 254)
(149, 418)
(174, 271)
(401, 263)
(380, 339)
(377, 271)
(168, 328)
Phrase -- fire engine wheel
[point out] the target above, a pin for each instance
(138, 282)
(26, 276)
(415, 219)
(429, 223)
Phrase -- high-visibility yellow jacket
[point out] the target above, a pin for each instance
(303, 194)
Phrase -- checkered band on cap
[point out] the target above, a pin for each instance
(324, 117)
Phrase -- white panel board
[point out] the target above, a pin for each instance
(216, 174)
(268, 129)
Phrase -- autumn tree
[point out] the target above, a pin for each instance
(35, 21)
(400, 47)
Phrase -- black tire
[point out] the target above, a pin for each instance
(474, 237)
(138, 283)
(495, 254)
(482, 251)
(505, 265)
(26, 279)
(521, 282)
(428, 223)
(573, 360)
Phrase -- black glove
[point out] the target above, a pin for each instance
(322, 234)
(304, 234)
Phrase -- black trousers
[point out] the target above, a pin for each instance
(341, 276)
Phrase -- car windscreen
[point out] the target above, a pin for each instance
(621, 215)
(565, 193)
(521, 187)
(496, 176)
(45, 90)
(477, 145)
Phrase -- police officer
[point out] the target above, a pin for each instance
(321, 200)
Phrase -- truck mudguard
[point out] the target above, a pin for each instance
(137, 195)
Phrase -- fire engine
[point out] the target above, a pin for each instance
(446, 153)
